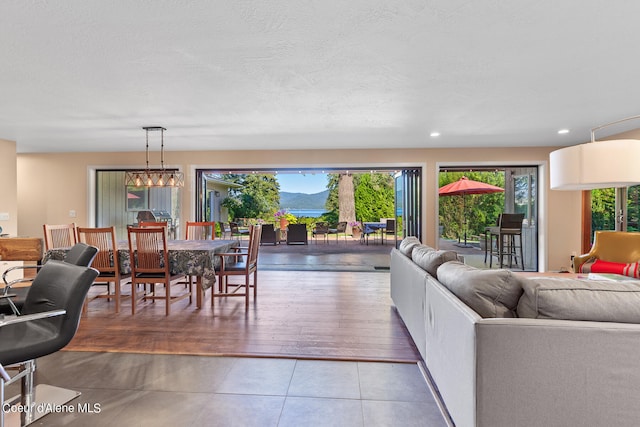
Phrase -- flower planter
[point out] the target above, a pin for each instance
(356, 233)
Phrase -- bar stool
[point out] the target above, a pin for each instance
(509, 228)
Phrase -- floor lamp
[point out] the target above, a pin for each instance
(599, 164)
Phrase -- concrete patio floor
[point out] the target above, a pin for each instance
(347, 255)
(342, 255)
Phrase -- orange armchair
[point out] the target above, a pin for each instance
(612, 246)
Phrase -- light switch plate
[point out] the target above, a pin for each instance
(4, 216)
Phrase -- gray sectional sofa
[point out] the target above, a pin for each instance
(507, 350)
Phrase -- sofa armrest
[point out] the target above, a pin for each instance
(408, 283)
(451, 351)
(538, 372)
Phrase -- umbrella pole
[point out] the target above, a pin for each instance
(464, 215)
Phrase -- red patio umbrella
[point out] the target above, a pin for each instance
(465, 186)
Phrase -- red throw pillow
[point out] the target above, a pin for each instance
(600, 266)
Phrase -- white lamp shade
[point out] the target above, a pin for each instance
(600, 164)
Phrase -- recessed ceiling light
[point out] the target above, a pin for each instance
(563, 131)
(434, 134)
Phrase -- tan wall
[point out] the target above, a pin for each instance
(8, 190)
(51, 185)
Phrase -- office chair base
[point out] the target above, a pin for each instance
(48, 399)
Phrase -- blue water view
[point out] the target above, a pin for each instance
(310, 213)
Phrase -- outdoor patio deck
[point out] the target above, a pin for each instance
(349, 255)
(344, 255)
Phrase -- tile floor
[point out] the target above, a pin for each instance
(171, 390)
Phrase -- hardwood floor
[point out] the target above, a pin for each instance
(298, 314)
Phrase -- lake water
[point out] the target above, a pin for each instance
(310, 213)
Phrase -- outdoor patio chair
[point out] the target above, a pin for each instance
(341, 228)
(269, 236)
(238, 232)
(297, 234)
(321, 229)
(390, 229)
(225, 230)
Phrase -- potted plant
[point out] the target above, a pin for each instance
(281, 216)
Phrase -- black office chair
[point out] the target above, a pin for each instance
(13, 298)
(51, 314)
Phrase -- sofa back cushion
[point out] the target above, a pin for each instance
(490, 293)
(407, 245)
(430, 259)
(576, 299)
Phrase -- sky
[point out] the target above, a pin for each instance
(302, 183)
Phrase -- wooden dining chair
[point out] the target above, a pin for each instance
(200, 230)
(106, 261)
(243, 262)
(59, 236)
(150, 266)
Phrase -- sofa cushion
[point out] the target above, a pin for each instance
(594, 265)
(576, 299)
(490, 293)
(430, 259)
(407, 245)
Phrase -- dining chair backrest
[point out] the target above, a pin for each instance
(200, 230)
(321, 228)
(103, 238)
(153, 224)
(59, 236)
(255, 234)
(391, 226)
(511, 221)
(342, 227)
(148, 250)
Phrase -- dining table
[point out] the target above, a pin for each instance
(186, 257)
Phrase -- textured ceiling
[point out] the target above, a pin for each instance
(86, 75)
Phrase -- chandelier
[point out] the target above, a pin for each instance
(154, 177)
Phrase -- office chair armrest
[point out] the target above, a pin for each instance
(7, 286)
(12, 319)
(17, 267)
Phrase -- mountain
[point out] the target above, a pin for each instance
(302, 200)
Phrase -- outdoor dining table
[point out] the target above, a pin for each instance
(372, 227)
(189, 257)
